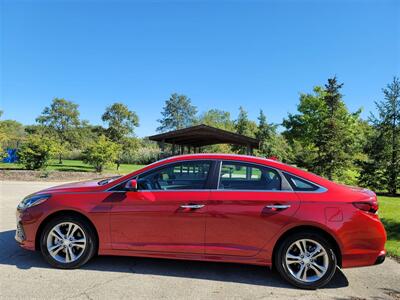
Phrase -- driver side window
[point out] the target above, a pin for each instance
(180, 176)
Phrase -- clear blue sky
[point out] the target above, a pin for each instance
(260, 55)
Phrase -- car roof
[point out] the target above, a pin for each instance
(219, 156)
(234, 157)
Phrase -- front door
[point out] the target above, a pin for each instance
(247, 210)
(167, 213)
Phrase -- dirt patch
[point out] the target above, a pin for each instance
(24, 175)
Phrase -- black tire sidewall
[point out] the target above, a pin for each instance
(284, 272)
(90, 242)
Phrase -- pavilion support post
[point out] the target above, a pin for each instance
(161, 144)
(249, 150)
(188, 149)
(173, 148)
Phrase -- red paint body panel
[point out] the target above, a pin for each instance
(233, 226)
(239, 224)
(154, 221)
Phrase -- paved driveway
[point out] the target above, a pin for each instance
(23, 274)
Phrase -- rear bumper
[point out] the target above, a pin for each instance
(363, 259)
(363, 240)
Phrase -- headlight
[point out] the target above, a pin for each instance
(32, 200)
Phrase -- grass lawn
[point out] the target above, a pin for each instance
(389, 213)
(77, 166)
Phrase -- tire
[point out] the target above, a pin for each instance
(68, 253)
(318, 266)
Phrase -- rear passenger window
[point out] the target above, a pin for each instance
(242, 176)
(299, 184)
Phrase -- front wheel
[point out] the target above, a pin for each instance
(306, 260)
(67, 242)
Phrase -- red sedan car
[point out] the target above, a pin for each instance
(213, 207)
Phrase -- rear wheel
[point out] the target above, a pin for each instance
(306, 260)
(67, 242)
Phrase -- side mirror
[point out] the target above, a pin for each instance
(131, 185)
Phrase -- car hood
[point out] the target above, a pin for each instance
(82, 186)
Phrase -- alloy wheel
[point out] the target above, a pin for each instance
(66, 242)
(306, 260)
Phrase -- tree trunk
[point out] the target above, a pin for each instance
(60, 158)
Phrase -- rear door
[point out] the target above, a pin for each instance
(250, 205)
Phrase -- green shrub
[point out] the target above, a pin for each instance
(36, 151)
(141, 152)
(101, 153)
(143, 155)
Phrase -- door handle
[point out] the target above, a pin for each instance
(278, 206)
(192, 206)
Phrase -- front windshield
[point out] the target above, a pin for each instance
(107, 180)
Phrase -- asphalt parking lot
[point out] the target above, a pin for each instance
(23, 274)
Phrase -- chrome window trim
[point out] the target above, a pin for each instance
(280, 173)
(320, 189)
(160, 167)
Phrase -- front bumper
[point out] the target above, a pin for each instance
(20, 233)
(25, 231)
(381, 258)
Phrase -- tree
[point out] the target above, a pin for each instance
(121, 124)
(335, 135)
(243, 125)
(373, 167)
(272, 144)
(217, 118)
(120, 120)
(11, 135)
(177, 113)
(3, 139)
(61, 120)
(323, 133)
(101, 153)
(36, 151)
(88, 133)
(383, 150)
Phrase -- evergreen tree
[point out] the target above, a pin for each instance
(245, 127)
(323, 134)
(177, 113)
(334, 134)
(382, 169)
(272, 144)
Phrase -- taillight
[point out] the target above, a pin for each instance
(371, 207)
